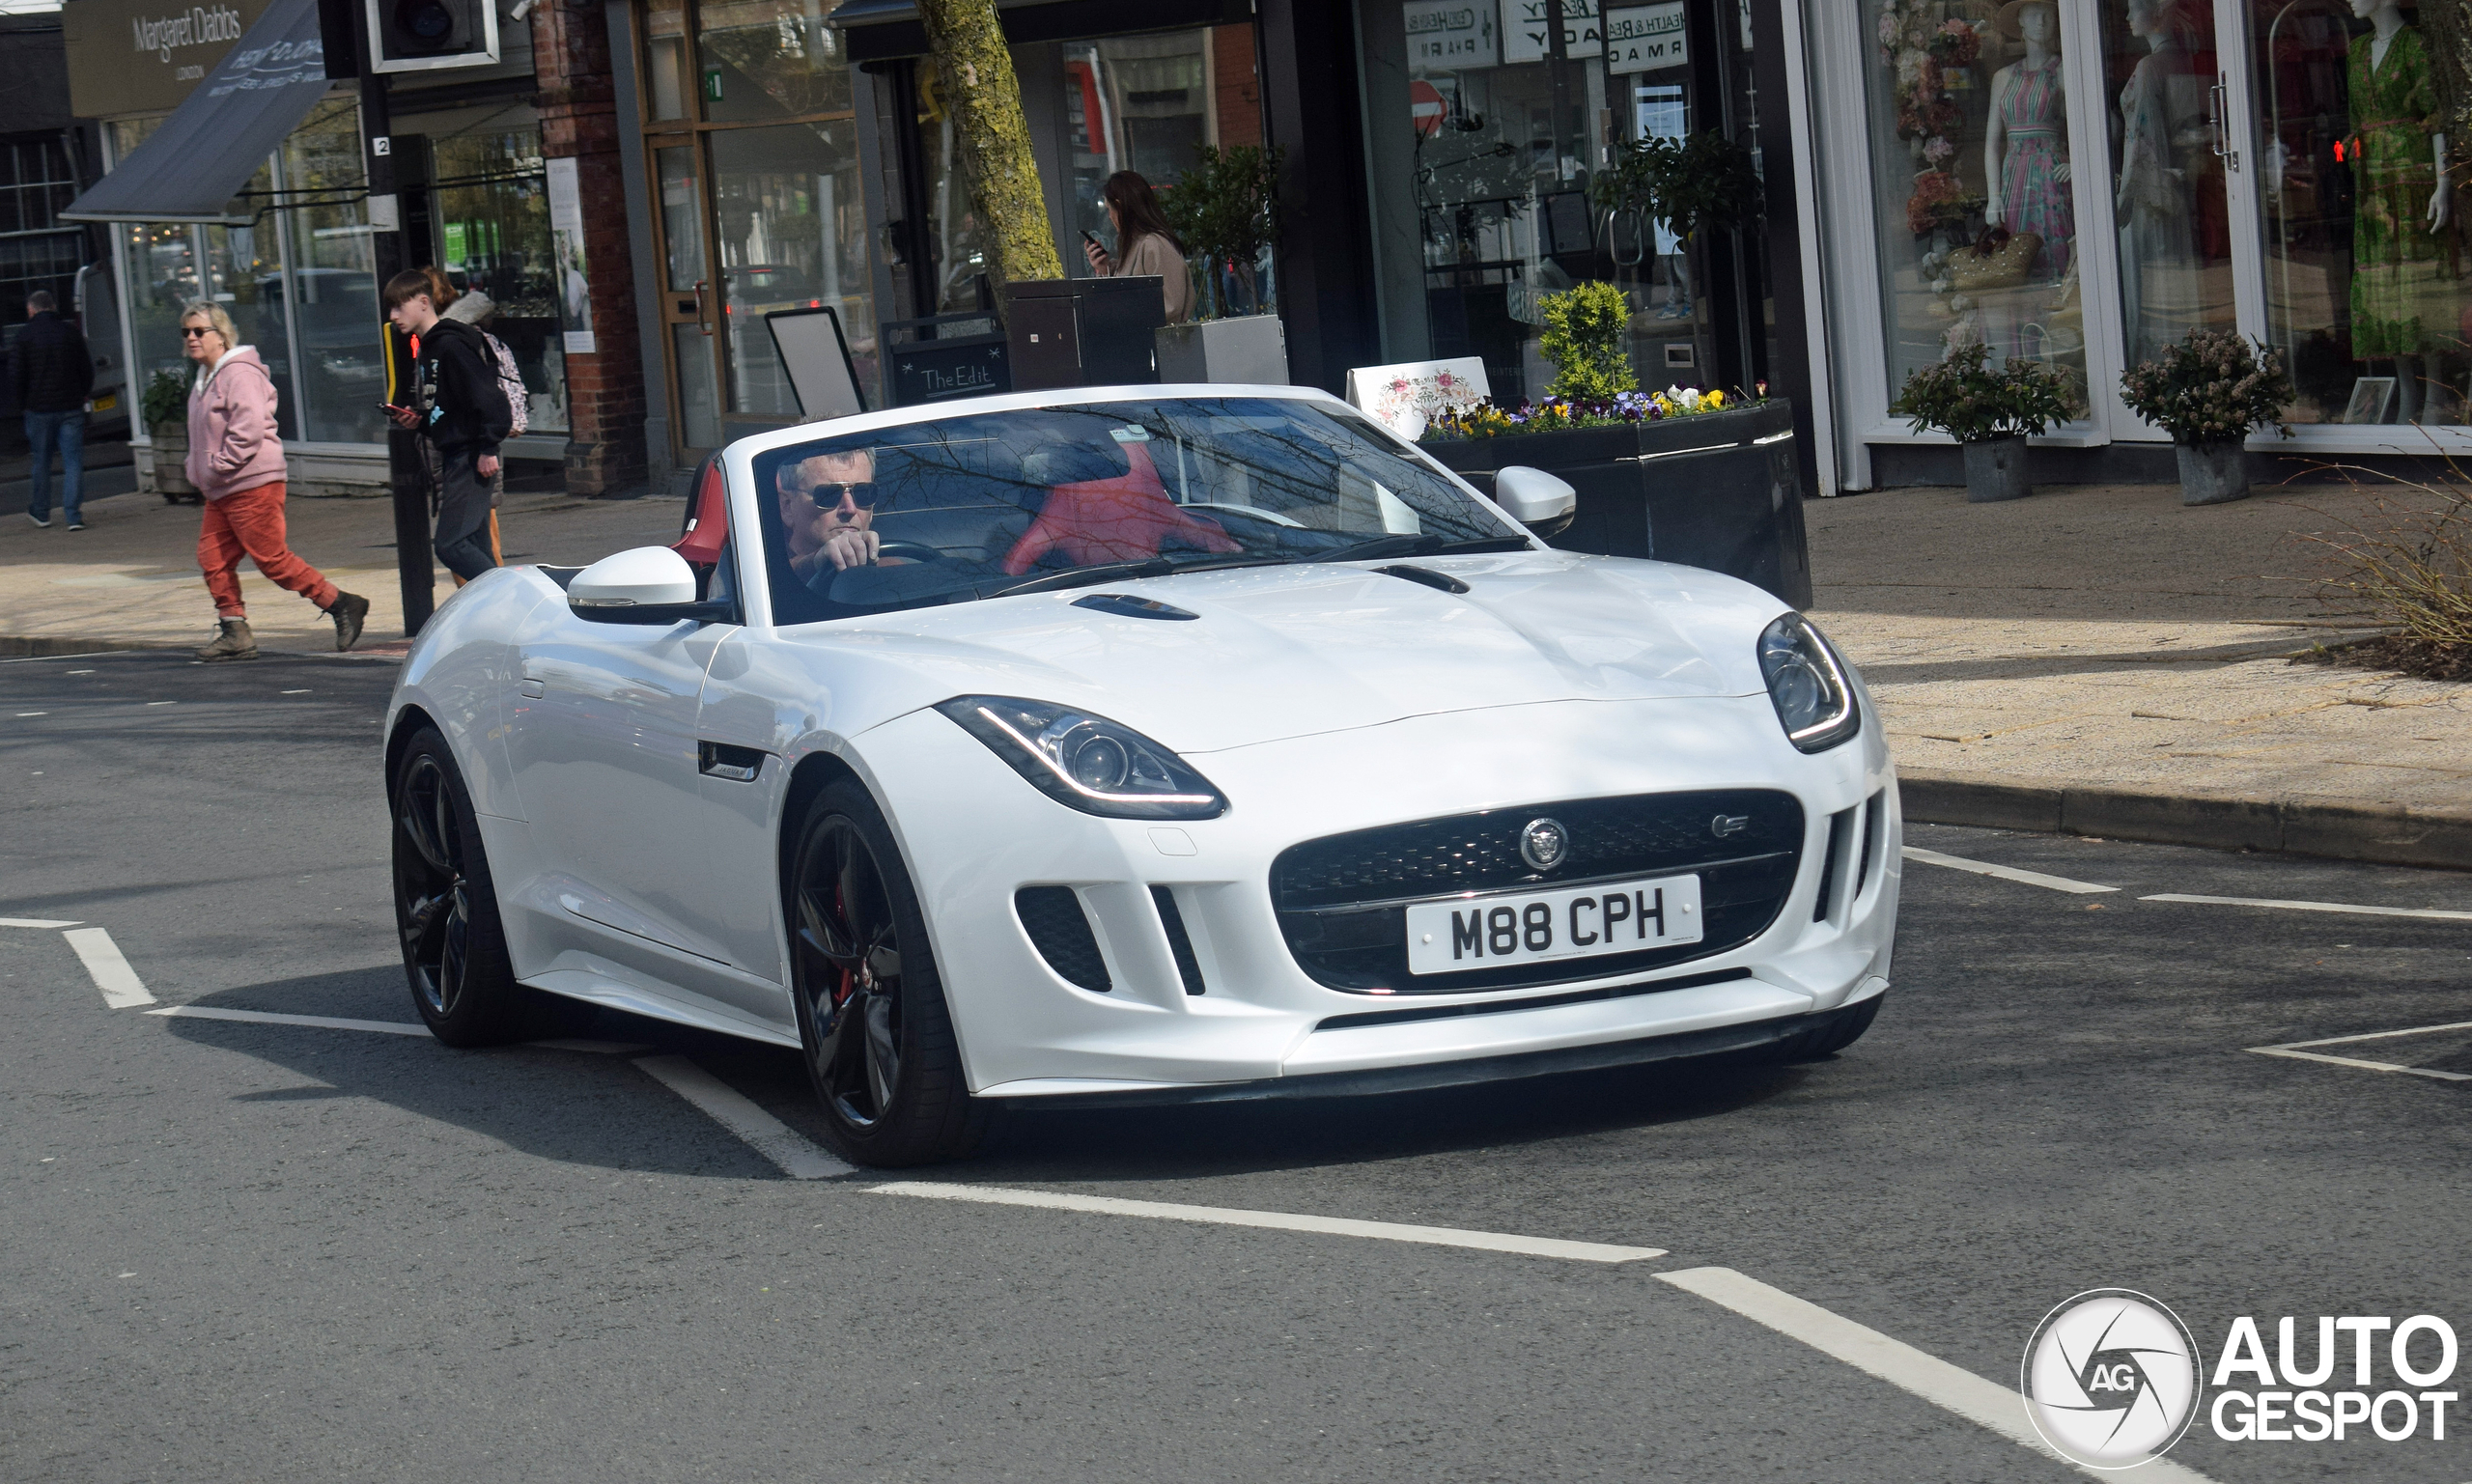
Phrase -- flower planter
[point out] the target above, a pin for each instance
(1712, 489)
(171, 442)
(1249, 350)
(2212, 473)
(1996, 469)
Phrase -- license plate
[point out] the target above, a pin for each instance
(1576, 922)
(104, 402)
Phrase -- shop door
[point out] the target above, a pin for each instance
(690, 303)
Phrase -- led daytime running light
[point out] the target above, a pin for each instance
(1077, 785)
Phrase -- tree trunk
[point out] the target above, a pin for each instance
(984, 98)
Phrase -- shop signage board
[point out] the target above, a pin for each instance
(938, 370)
(1644, 37)
(567, 253)
(1527, 30)
(146, 56)
(1452, 34)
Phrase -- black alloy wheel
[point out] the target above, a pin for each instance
(446, 911)
(877, 1038)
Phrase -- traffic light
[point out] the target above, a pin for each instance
(418, 36)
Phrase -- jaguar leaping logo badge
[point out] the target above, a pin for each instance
(1544, 842)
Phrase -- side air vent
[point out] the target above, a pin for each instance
(1061, 932)
(1864, 863)
(1188, 967)
(1840, 831)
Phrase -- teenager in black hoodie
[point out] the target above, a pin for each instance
(458, 404)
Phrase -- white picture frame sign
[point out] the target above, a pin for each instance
(1404, 398)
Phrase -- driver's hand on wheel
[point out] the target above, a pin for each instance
(850, 547)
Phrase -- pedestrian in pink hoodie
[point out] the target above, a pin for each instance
(236, 460)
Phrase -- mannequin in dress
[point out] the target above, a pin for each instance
(2152, 203)
(2025, 153)
(2403, 198)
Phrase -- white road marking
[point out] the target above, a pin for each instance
(33, 922)
(2005, 873)
(1985, 1404)
(593, 1047)
(2296, 1051)
(1277, 1220)
(293, 692)
(734, 1110)
(2314, 907)
(23, 714)
(275, 1018)
(122, 989)
(162, 703)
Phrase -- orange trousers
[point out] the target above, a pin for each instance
(249, 522)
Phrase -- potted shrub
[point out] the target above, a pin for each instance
(1224, 212)
(2207, 392)
(1588, 330)
(1692, 184)
(164, 408)
(1990, 411)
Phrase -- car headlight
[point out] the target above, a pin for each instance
(1807, 684)
(1087, 761)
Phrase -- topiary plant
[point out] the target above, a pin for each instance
(1224, 210)
(166, 398)
(1585, 330)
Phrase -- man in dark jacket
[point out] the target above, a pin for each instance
(53, 377)
(458, 404)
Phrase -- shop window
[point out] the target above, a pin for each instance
(766, 60)
(491, 209)
(1147, 104)
(1968, 113)
(792, 235)
(668, 93)
(956, 244)
(2368, 300)
(36, 249)
(327, 279)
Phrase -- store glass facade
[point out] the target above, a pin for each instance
(488, 207)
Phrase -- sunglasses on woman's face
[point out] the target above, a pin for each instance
(195, 331)
(861, 493)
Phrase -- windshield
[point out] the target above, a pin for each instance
(978, 504)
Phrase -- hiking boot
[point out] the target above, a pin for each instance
(234, 642)
(349, 611)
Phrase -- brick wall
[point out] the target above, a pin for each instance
(1237, 86)
(606, 390)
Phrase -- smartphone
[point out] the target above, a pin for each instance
(1092, 237)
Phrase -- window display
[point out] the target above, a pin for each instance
(490, 202)
(2365, 280)
(1969, 122)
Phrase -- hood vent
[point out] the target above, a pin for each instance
(1126, 605)
(1438, 581)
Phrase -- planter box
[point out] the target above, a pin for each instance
(171, 456)
(1718, 491)
(1250, 351)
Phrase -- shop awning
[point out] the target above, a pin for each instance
(201, 157)
(881, 29)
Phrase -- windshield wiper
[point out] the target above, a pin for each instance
(1109, 571)
(1412, 546)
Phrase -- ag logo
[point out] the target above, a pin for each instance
(1544, 842)
(2111, 1378)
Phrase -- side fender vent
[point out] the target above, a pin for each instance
(1061, 932)
(1188, 967)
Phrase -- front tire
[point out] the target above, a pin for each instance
(872, 1018)
(446, 906)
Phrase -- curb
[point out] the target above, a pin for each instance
(49, 647)
(2389, 834)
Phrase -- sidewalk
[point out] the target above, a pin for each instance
(130, 578)
(2085, 657)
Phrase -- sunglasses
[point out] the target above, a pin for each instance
(861, 493)
(197, 332)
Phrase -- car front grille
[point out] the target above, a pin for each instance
(1342, 900)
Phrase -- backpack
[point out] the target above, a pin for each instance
(519, 402)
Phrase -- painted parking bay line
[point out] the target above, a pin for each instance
(2362, 909)
(2005, 873)
(786, 1147)
(277, 1017)
(1275, 1220)
(1986, 1404)
(108, 967)
(2298, 1051)
(33, 922)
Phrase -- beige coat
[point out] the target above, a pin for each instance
(1154, 256)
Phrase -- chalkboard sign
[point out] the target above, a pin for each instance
(942, 370)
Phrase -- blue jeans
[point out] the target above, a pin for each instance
(69, 430)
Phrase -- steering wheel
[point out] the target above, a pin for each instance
(909, 551)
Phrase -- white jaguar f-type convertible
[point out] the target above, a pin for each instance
(1138, 744)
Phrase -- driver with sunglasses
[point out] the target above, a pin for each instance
(828, 508)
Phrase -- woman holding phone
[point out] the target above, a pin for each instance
(236, 460)
(1144, 245)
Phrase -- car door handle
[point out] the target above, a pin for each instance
(531, 687)
(720, 759)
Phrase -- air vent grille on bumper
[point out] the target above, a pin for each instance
(1061, 932)
(1342, 900)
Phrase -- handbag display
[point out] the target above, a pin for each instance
(1998, 260)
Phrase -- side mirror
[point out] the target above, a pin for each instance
(1535, 498)
(647, 585)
